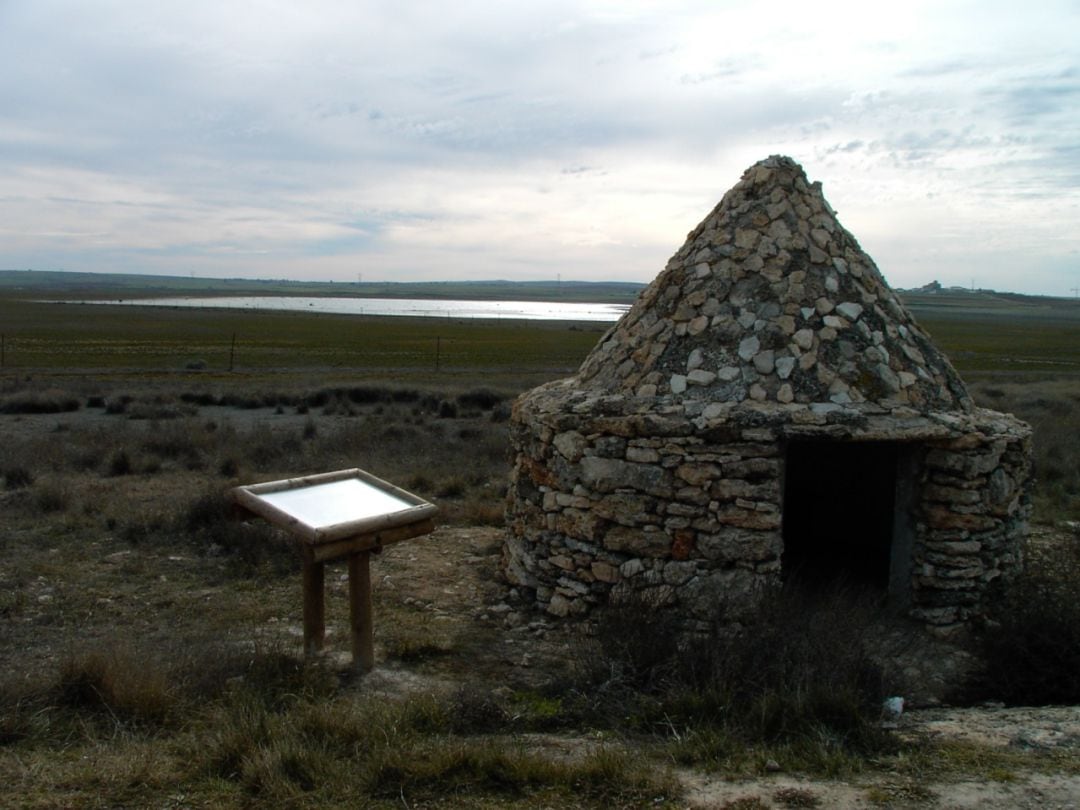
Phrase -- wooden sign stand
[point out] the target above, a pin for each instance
(351, 514)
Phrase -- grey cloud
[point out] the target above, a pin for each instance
(850, 146)
(202, 109)
(722, 69)
(949, 68)
(657, 53)
(1026, 98)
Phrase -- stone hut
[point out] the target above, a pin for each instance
(767, 406)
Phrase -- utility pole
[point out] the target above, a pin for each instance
(1076, 292)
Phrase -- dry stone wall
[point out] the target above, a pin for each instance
(658, 470)
(610, 498)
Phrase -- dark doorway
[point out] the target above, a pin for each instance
(839, 513)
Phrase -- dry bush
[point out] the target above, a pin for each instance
(794, 670)
(209, 522)
(1030, 650)
(52, 496)
(17, 478)
(483, 399)
(127, 686)
(119, 463)
(150, 688)
(30, 402)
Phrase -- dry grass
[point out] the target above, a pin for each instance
(237, 726)
(120, 531)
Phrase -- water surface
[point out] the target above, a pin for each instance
(412, 307)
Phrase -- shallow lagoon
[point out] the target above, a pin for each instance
(412, 307)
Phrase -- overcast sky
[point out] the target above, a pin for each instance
(530, 140)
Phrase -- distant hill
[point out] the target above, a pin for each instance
(62, 284)
(958, 302)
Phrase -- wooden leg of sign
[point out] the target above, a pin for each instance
(363, 637)
(314, 608)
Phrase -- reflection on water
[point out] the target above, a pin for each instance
(414, 307)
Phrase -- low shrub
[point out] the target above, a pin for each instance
(120, 463)
(481, 398)
(98, 691)
(478, 509)
(454, 487)
(171, 440)
(420, 483)
(247, 402)
(209, 521)
(202, 399)
(52, 497)
(37, 402)
(474, 710)
(158, 411)
(128, 687)
(265, 449)
(367, 395)
(1030, 650)
(17, 478)
(793, 670)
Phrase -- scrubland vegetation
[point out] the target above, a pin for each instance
(150, 654)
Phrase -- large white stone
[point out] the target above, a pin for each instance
(850, 310)
(748, 347)
(784, 367)
(764, 361)
(804, 338)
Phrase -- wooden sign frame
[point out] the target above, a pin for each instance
(378, 515)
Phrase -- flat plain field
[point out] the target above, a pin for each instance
(150, 646)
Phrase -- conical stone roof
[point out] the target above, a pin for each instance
(770, 299)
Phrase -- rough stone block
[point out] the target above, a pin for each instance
(638, 542)
(608, 475)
